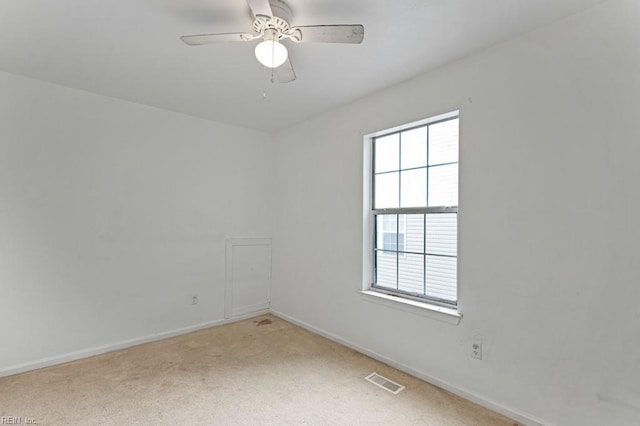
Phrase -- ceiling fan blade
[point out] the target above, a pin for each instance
(329, 34)
(196, 40)
(260, 8)
(285, 73)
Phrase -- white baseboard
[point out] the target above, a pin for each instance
(516, 415)
(99, 350)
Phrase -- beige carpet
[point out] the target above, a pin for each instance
(254, 372)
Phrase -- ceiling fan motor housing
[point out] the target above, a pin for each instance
(279, 22)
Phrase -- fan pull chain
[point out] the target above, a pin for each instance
(264, 85)
(273, 57)
(264, 78)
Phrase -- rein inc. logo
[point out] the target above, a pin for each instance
(17, 420)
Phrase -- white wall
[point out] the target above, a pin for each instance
(112, 214)
(550, 144)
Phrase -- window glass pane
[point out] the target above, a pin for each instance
(443, 185)
(414, 188)
(387, 236)
(386, 190)
(414, 148)
(384, 225)
(411, 273)
(442, 233)
(379, 231)
(441, 277)
(386, 269)
(443, 142)
(387, 153)
(401, 232)
(414, 233)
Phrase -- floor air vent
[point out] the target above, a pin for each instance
(384, 383)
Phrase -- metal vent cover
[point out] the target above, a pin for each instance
(384, 383)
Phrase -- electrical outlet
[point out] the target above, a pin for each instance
(476, 349)
(194, 299)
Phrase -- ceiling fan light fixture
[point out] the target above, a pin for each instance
(271, 53)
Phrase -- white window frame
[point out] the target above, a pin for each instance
(448, 313)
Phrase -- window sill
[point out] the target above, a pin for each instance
(439, 313)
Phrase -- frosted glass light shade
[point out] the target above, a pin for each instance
(271, 53)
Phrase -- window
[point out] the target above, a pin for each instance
(414, 210)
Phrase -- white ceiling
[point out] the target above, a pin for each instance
(130, 49)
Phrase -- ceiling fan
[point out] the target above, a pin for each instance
(271, 24)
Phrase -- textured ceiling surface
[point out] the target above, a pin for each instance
(130, 49)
